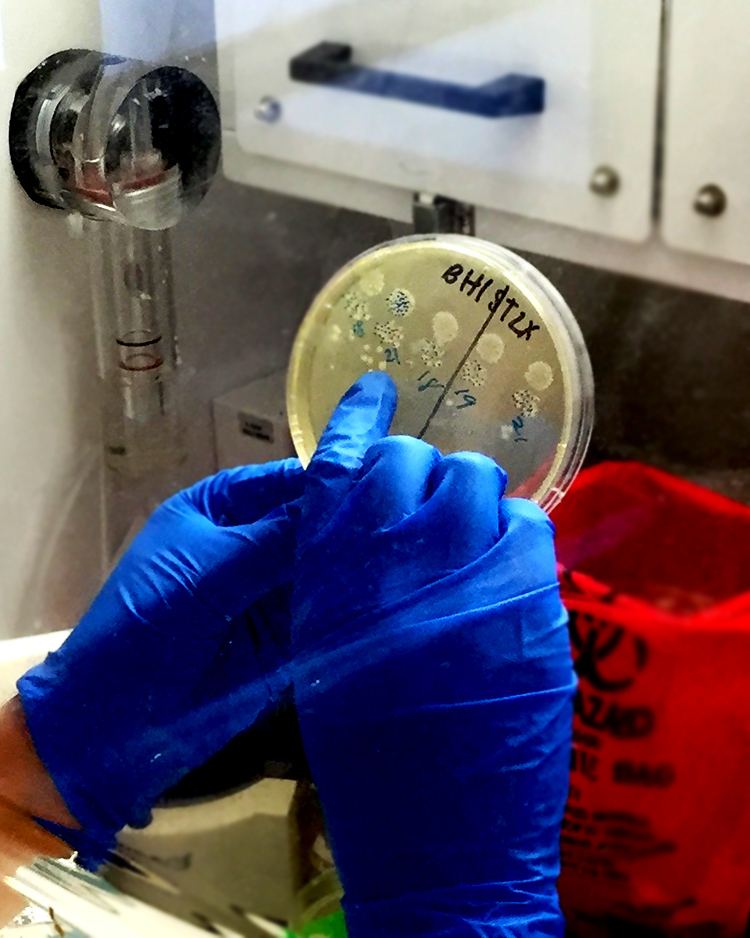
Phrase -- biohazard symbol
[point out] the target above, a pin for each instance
(607, 655)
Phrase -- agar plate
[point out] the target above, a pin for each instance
(485, 353)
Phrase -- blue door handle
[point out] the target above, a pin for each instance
(330, 64)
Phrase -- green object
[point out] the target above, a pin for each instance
(330, 926)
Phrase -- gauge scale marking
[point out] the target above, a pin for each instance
(484, 352)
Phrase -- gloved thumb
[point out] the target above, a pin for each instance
(362, 417)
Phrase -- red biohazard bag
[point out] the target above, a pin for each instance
(655, 573)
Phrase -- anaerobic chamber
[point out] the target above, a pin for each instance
(180, 180)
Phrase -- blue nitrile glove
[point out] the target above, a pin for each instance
(433, 681)
(180, 651)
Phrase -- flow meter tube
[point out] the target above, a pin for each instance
(133, 298)
(131, 148)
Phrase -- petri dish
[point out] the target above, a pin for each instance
(484, 351)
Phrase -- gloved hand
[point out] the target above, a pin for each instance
(433, 681)
(180, 651)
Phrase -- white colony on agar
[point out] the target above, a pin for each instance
(372, 283)
(539, 376)
(490, 348)
(444, 327)
(355, 304)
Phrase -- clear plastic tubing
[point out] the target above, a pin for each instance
(135, 325)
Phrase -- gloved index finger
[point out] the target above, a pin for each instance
(362, 417)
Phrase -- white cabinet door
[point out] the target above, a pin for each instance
(599, 60)
(707, 142)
